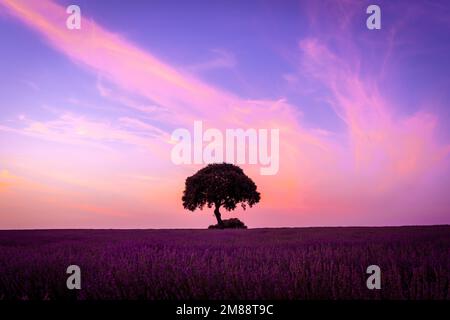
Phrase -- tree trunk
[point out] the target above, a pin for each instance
(218, 217)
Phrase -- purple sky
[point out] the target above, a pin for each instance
(86, 114)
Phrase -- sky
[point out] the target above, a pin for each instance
(87, 115)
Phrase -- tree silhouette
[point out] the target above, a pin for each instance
(219, 185)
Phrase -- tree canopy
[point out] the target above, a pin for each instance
(220, 185)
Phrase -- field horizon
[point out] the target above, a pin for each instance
(195, 264)
(249, 228)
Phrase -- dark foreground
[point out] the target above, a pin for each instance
(300, 263)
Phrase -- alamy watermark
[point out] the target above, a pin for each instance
(74, 280)
(373, 22)
(374, 280)
(73, 21)
(239, 146)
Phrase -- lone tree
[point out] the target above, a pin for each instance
(219, 185)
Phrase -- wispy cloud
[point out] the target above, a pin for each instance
(76, 129)
(31, 84)
(222, 59)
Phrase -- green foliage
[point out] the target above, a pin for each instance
(220, 185)
(233, 223)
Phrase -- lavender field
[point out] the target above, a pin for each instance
(294, 263)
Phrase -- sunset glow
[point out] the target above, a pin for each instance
(87, 115)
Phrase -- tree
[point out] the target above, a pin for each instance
(219, 185)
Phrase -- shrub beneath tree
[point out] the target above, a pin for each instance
(233, 223)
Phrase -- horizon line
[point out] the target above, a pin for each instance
(258, 228)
